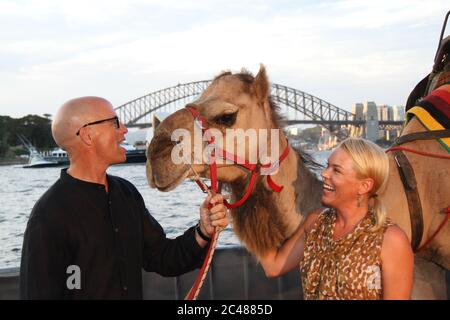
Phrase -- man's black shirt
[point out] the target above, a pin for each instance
(110, 237)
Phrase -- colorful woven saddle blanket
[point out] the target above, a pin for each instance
(433, 112)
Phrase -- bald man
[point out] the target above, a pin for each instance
(89, 236)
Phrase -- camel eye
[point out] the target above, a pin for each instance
(226, 119)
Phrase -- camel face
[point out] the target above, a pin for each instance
(162, 172)
(236, 108)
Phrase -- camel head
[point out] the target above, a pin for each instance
(232, 101)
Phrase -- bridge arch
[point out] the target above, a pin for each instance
(139, 112)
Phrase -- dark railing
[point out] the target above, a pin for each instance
(234, 274)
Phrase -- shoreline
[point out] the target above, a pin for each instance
(9, 162)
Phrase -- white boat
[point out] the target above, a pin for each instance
(36, 159)
(58, 157)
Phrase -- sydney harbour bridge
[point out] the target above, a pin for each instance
(297, 106)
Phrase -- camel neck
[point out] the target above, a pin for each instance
(302, 190)
(300, 185)
(308, 188)
(276, 214)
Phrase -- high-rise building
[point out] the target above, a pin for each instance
(370, 111)
(380, 113)
(398, 113)
(390, 113)
(357, 110)
(373, 114)
(385, 113)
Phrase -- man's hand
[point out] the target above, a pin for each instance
(216, 216)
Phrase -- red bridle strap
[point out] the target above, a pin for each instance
(275, 166)
(266, 169)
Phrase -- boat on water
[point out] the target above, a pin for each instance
(58, 157)
(133, 154)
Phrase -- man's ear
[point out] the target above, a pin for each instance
(85, 136)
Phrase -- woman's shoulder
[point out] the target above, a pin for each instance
(394, 232)
(394, 239)
(396, 251)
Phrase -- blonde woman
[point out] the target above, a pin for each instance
(350, 250)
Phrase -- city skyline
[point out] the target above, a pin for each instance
(384, 112)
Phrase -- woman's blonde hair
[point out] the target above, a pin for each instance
(370, 161)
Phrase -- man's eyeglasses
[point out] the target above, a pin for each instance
(116, 122)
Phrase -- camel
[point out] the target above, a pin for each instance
(268, 218)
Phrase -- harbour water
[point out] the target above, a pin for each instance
(21, 188)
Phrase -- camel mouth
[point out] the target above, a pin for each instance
(174, 183)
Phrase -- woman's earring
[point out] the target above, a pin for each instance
(358, 201)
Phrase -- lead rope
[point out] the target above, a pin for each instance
(196, 287)
(216, 188)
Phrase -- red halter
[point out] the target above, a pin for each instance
(255, 169)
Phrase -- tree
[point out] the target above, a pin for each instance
(35, 128)
(3, 136)
(4, 147)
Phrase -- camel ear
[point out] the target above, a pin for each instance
(261, 84)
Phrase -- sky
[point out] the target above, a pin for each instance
(340, 51)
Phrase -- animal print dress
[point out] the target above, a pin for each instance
(346, 268)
